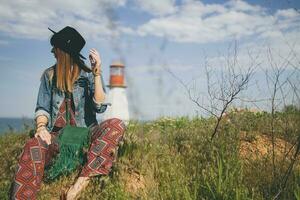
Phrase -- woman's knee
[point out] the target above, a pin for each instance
(113, 121)
(111, 128)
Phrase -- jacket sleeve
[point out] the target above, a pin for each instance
(98, 107)
(44, 98)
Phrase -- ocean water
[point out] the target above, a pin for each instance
(14, 124)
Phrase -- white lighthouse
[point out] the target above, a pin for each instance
(117, 94)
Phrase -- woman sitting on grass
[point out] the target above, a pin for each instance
(68, 95)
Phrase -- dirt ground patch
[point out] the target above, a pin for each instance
(260, 146)
(134, 182)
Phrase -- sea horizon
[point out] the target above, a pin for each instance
(14, 124)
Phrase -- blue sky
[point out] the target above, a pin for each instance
(149, 37)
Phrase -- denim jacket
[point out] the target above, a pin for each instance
(50, 99)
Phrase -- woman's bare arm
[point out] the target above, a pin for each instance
(95, 59)
(99, 94)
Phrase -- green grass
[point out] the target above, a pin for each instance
(175, 159)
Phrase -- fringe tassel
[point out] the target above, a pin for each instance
(69, 158)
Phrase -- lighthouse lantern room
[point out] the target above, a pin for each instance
(117, 94)
(116, 75)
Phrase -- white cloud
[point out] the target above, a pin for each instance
(287, 13)
(190, 21)
(197, 22)
(157, 7)
(285, 51)
(30, 18)
(240, 5)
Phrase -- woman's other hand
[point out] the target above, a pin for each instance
(95, 61)
(44, 134)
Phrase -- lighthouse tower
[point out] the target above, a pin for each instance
(117, 94)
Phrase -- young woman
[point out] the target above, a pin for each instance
(68, 85)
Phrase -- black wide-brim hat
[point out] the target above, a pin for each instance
(70, 41)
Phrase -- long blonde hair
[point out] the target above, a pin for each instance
(67, 71)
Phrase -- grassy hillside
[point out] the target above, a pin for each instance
(175, 159)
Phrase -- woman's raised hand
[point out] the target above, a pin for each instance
(44, 134)
(95, 61)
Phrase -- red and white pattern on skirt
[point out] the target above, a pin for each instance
(37, 154)
(103, 150)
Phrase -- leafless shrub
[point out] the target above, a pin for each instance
(223, 85)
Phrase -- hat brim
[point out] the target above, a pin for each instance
(82, 65)
(80, 55)
(51, 30)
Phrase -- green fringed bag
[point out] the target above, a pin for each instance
(72, 142)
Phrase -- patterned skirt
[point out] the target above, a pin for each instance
(36, 154)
